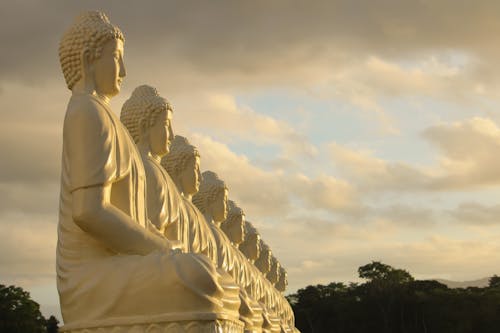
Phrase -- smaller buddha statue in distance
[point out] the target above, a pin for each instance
(263, 262)
(273, 274)
(234, 228)
(282, 280)
(234, 225)
(250, 246)
(283, 307)
(183, 165)
(263, 289)
(211, 200)
(248, 275)
(148, 118)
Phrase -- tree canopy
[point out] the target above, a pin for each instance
(392, 301)
(20, 314)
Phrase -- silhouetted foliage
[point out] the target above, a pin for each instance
(494, 281)
(52, 325)
(20, 314)
(392, 301)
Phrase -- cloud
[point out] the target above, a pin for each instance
(372, 173)
(219, 114)
(407, 216)
(469, 151)
(272, 43)
(430, 257)
(27, 255)
(29, 198)
(31, 133)
(326, 192)
(326, 250)
(257, 191)
(474, 213)
(468, 159)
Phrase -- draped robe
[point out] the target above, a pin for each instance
(96, 284)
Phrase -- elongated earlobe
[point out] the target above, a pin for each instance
(85, 63)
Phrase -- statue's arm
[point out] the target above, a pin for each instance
(93, 212)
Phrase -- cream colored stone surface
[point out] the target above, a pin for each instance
(145, 243)
(250, 246)
(183, 165)
(148, 118)
(114, 268)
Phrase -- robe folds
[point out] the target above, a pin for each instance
(95, 283)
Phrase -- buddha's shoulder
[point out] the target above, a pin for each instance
(84, 109)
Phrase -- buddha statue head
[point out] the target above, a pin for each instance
(282, 280)
(211, 199)
(234, 225)
(263, 262)
(183, 165)
(148, 118)
(273, 274)
(91, 56)
(250, 246)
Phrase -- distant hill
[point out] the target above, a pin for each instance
(481, 283)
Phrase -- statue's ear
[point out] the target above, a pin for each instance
(85, 62)
(143, 127)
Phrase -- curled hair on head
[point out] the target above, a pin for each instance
(180, 152)
(264, 248)
(90, 31)
(261, 262)
(210, 187)
(275, 262)
(282, 279)
(234, 212)
(273, 274)
(251, 239)
(250, 229)
(142, 110)
(282, 271)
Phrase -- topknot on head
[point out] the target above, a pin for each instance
(90, 31)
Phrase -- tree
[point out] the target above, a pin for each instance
(377, 271)
(494, 281)
(18, 312)
(52, 325)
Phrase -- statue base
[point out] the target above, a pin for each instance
(157, 325)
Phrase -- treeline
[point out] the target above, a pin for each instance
(392, 301)
(20, 314)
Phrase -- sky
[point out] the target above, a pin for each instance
(348, 131)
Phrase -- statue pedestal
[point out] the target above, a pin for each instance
(194, 326)
(166, 323)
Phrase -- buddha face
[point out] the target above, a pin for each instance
(263, 263)
(253, 241)
(274, 272)
(283, 281)
(237, 229)
(190, 177)
(109, 70)
(161, 133)
(219, 206)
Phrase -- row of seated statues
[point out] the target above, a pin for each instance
(146, 242)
